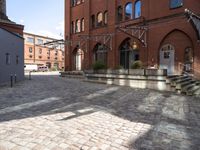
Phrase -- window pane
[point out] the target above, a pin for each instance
(30, 50)
(39, 41)
(119, 13)
(106, 18)
(8, 59)
(78, 26)
(30, 40)
(99, 19)
(83, 24)
(93, 21)
(129, 11)
(176, 3)
(137, 9)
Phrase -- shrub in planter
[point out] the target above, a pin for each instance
(53, 69)
(137, 65)
(98, 65)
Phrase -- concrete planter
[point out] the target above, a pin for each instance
(138, 72)
(120, 71)
(156, 72)
(88, 71)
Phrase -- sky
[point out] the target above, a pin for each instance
(43, 17)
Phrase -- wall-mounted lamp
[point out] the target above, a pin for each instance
(134, 45)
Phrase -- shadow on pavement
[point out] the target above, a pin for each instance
(174, 119)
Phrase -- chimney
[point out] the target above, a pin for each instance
(3, 15)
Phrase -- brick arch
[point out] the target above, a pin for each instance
(173, 31)
(75, 52)
(180, 40)
(100, 56)
(122, 42)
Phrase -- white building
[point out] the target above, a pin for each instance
(11, 56)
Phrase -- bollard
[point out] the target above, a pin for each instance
(11, 81)
(15, 78)
(30, 75)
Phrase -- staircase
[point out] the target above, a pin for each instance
(184, 84)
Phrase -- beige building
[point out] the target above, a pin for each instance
(35, 52)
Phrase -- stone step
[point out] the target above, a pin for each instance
(197, 93)
(177, 78)
(185, 83)
(189, 87)
(192, 91)
(180, 80)
(171, 78)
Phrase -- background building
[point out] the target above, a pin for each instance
(11, 48)
(122, 31)
(37, 53)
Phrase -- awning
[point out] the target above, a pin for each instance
(195, 20)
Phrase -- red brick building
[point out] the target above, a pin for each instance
(119, 32)
(35, 52)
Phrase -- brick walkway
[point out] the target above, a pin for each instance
(52, 113)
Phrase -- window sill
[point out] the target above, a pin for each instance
(77, 33)
(100, 27)
(172, 8)
(77, 5)
(125, 21)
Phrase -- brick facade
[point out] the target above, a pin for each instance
(37, 53)
(165, 26)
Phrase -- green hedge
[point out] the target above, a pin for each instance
(137, 65)
(99, 65)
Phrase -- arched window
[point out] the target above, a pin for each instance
(93, 21)
(100, 53)
(188, 55)
(99, 19)
(137, 9)
(78, 26)
(128, 11)
(83, 24)
(188, 59)
(73, 2)
(128, 54)
(78, 2)
(72, 27)
(119, 13)
(105, 17)
(78, 58)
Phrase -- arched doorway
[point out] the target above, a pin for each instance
(100, 53)
(129, 53)
(78, 59)
(167, 59)
(176, 52)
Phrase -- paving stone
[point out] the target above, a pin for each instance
(50, 112)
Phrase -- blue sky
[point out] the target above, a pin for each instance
(44, 17)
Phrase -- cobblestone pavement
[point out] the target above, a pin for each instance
(53, 113)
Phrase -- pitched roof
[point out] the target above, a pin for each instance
(15, 34)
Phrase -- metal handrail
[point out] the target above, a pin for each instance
(182, 66)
